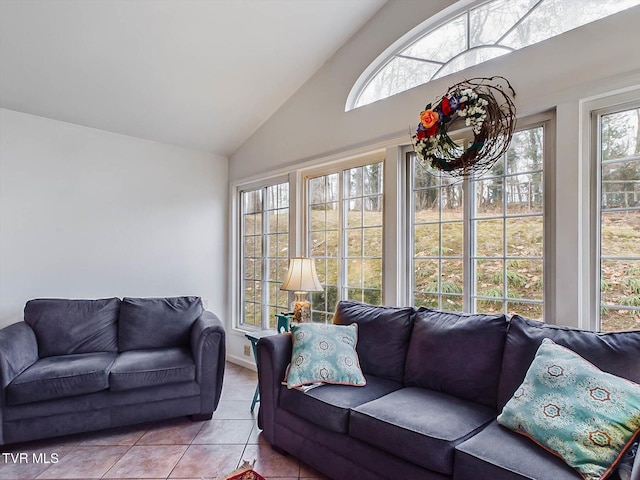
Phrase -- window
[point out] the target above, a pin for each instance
(618, 156)
(478, 244)
(265, 253)
(508, 230)
(485, 31)
(437, 211)
(344, 222)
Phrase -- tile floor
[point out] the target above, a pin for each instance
(173, 449)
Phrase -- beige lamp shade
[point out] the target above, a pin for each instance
(302, 276)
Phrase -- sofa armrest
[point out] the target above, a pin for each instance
(635, 471)
(274, 354)
(209, 353)
(18, 351)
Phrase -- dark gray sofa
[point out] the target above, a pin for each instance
(81, 365)
(435, 383)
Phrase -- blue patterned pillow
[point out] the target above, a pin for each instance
(583, 415)
(324, 353)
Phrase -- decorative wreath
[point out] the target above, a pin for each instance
(483, 105)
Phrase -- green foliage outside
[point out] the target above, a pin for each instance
(524, 277)
(516, 287)
(620, 220)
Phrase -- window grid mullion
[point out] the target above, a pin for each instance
(440, 271)
(382, 78)
(598, 118)
(468, 27)
(342, 226)
(468, 236)
(515, 25)
(264, 280)
(505, 241)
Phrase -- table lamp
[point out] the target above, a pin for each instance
(301, 279)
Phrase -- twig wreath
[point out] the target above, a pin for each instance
(485, 106)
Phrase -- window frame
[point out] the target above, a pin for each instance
(339, 167)
(239, 243)
(545, 120)
(425, 28)
(597, 110)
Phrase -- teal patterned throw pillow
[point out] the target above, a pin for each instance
(585, 416)
(324, 353)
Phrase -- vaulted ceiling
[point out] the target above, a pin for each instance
(202, 74)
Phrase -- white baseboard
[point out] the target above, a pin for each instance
(250, 364)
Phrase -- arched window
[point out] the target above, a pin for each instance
(466, 37)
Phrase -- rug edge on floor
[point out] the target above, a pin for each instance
(244, 472)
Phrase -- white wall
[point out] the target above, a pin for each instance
(557, 74)
(86, 213)
(313, 123)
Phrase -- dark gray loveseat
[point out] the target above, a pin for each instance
(80, 365)
(435, 383)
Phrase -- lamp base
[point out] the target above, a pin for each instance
(301, 308)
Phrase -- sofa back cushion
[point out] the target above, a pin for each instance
(616, 353)
(455, 353)
(64, 326)
(157, 322)
(383, 336)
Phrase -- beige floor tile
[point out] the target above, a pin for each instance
(244, 375)
(241, 392)
(128, 435)
(28, 462)
(85, 462)
(147, 462)
(225, 432)
(234, 367)
(179, 431)
(235, 410)
(42, 445)
(270, 463)
(256, 436)
(207, 461)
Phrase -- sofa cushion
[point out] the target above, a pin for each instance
(146, 368)
(329, 405)
(455, 353)
(585, 416)
(412, 421)
(383, 336)
(497, 452)
(324, 353)
(61, 376)
(616, 353)
(157, 322)
(73, 326)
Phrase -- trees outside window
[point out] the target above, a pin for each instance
(265, 253)
(618, 156)
(478, 244)
(472, 36)
(344, 236)
(507, 225)
(438, 241)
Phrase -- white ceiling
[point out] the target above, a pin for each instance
(203, 74)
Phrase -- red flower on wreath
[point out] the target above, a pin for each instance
(431, 131)
(445, 106)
